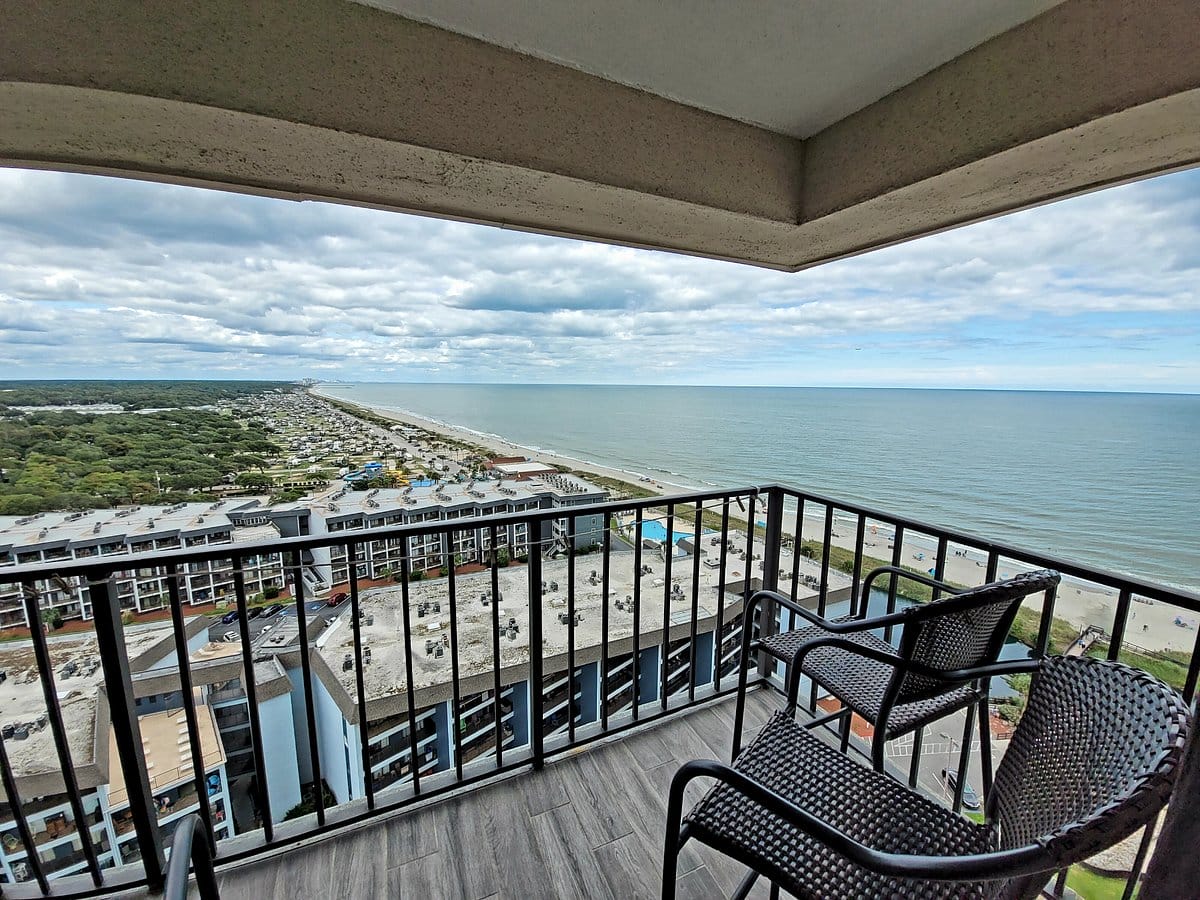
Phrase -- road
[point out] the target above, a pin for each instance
(318, 615)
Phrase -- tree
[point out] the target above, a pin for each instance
(255, 480)
(53, 618)
(249, 461)
(503, 557)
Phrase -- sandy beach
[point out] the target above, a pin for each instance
(1151, 626)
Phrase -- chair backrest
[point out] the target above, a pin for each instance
(961, 631)
(1093, 759)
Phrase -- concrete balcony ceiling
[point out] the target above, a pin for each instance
(777, 132)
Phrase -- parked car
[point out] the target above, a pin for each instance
(254, 612)
(229, 617)
(230, 636)
(272, 610)
(338, 599)
(970, 799)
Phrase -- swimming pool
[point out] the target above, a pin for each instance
(657, 531)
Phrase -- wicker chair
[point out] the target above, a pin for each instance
(940, 666)
(1093, 759)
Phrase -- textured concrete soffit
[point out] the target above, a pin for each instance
(323, 99)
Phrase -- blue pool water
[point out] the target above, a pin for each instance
(657, 531)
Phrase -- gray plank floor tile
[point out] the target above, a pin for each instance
(590, 825)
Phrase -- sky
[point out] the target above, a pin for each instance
(115, 278)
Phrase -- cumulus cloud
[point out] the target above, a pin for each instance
(111, 277)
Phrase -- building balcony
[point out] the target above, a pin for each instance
(558, 789)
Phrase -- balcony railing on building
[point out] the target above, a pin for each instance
(449, 668)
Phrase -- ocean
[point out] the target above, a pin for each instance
(1110, 480)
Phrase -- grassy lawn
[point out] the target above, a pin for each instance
(1092, 886)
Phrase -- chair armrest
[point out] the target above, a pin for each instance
(795, 667)
(1000, 864)
(820, 621)
(912, 576)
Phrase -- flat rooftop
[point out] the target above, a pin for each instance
(345, 503)
(167, 750)
(382, 630)
(22, 702)
(131, 523)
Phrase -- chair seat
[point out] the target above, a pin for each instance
(871, 808)
(860, 682)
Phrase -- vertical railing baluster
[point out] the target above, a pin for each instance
(251, 689)
(58, 730)
(455, 667)
(118, 686)
(669, 554)
(1119, 622)
(772, 540)
(414, 763)
(898, 544)
(605, 575)
(14, 801)
(765, 663)
(537, 734)
(179, 633)
(797, 543)
(495, 572)
(1189, 685)
(637, 609)
(310, 713)
(364, 731)
(939, 565)
(858, 604)
(721, 593)
(993, 566)
(571, 628)
(693, 660)
(826, 552)
(1043, 638)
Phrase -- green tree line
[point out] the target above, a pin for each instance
(130, 394)
(68, 460)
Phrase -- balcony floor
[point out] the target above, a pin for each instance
(590, 825)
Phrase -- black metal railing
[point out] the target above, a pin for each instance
(657, 642)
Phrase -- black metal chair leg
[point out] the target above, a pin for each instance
(914, 763)
(742, 891)
(964, 757)
(774, 891)
(985, 745)
(877, 745)
(675, 838)
(847, 721)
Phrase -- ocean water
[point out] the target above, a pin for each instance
(1111, 480)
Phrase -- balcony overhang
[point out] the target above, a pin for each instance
(337, 101)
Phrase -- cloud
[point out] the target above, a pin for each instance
(149, 280)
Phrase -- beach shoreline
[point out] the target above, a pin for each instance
(1151, 626)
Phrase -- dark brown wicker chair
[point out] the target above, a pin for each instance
(1093, 759)
(939, 667)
